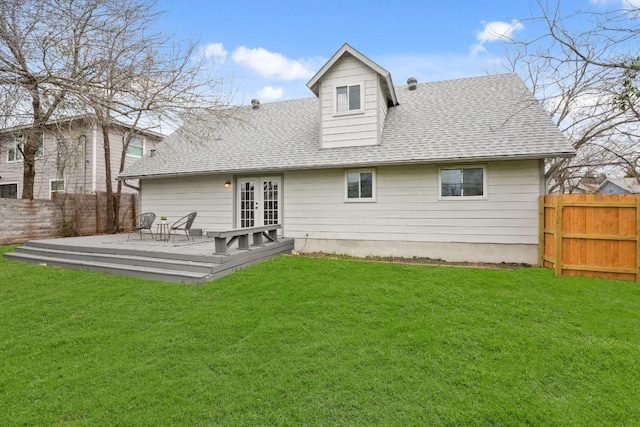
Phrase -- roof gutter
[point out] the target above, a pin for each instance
(354, 165)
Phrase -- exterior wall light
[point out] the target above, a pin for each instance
(227, 184)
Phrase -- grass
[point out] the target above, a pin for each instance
(299, 341)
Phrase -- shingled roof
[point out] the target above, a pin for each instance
(485, 118)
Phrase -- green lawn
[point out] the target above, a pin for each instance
(299, 341)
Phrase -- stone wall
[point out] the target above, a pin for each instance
(66, 215)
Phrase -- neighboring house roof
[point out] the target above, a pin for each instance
(80, 117)
(314, 83)
(485, 118)
(575, 185)
(629, 185)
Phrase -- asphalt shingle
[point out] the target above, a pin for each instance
(471, 119)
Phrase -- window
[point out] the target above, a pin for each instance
(14, 151)
(348, 98)
(57, 185)
(462, 182)
(9, 191)
(14, 154)
(136, 147)
(361, 185)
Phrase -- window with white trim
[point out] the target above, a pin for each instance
(348, 98)
(361, 185)
(15, 149)
(9, 191)
(463, 182)
(56, 186)
(136, 146)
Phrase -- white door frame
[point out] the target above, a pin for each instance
(258, 201)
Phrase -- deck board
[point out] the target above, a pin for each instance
(158, 260)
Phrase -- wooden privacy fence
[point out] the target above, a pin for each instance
(591, 235)
(66, 214)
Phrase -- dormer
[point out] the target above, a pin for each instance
(355, 94)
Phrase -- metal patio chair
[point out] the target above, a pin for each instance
(183, 224)
(144, 221)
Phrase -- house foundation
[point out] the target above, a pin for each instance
(446, 251)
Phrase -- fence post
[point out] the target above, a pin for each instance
(541, 231)
(638, 239)
(558, 235)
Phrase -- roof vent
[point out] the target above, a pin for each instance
(412, 82)
(255, 104)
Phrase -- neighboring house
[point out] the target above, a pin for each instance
(620, 186)
(574, 186)
(450, 169)
(70, 157)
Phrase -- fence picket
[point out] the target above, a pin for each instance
(594, 235)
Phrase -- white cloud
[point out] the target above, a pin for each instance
(495, 31)
(270, 93)
(631, 4)
(626, 4)
(427, 68)
(215, 51)
(272, 64)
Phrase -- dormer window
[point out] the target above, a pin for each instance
(348, 99)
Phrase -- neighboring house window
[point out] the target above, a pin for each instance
(462, 182)
(348, 98)
(56, 186)
(14, 153)
(136, 146)
(361, 185)
(9, 191)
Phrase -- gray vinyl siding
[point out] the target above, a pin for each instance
(69, 165)
(10, 173)
(407, 207)
(116, 147)
(382, 110)
(349, 129)
(176, 197)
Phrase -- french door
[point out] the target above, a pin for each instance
(259, 201)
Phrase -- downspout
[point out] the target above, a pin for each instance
(94, 167)
(137, 189)
(133, 187)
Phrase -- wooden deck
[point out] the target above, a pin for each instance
(173, 261)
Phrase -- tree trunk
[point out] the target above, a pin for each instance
(123, 156)
(111, 223)
(29, 151)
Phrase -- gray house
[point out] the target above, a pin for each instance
(70, 157)
(449, 169)
(619, 186)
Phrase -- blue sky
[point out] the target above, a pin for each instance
(270, 49)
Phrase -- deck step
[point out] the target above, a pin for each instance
(107, 254)
(115, 258)
(164, 274)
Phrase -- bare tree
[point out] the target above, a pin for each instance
(584, 69)
(42, 56)
(147, 78)
(105, 58)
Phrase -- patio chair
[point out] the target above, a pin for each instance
(144, 221)
(183, 224)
